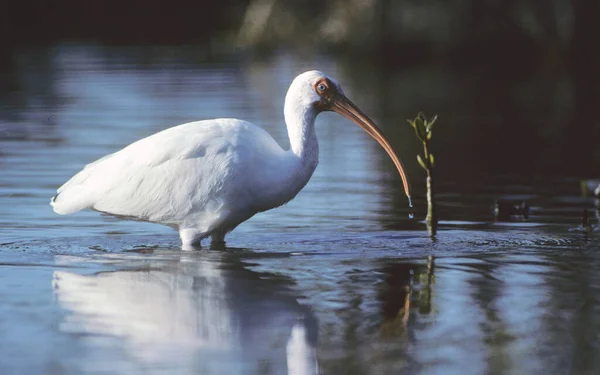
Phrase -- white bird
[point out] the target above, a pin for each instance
(204, 178)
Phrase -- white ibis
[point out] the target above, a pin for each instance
(204, 178)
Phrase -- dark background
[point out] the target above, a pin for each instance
(529, 70)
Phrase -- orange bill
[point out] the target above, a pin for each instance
(346, 108)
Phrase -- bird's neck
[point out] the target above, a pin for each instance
(300, 121)
(295, 169)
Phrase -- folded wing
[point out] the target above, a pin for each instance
(160, 178)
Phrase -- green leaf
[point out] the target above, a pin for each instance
(421, 162)
(417, 124)
(431, 160)
(422, 126)
(431, 122)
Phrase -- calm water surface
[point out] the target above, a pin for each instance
(338, 281)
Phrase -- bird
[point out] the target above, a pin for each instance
(204, 178)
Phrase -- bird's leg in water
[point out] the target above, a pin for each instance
(190, 238)
(217, 240)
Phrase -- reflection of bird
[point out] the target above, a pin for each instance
(201, 313)
(207, 177)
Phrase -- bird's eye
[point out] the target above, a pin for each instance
(321, 87)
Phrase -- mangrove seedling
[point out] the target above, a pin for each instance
(590, 187)
(585, 221)
(423, 129)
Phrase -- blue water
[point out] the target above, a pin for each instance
(340, 279)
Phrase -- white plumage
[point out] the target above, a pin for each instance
(205, 178)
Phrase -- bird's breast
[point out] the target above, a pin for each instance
(282, 183)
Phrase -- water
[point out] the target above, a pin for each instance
(340, 278)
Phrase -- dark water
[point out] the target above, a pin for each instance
(339, 279)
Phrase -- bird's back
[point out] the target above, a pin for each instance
(177, 175)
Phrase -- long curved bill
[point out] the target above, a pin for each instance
(346, 108)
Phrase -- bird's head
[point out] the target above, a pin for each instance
(315, 90)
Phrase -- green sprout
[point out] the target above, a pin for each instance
(423, 129)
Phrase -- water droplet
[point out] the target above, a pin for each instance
(411, 215)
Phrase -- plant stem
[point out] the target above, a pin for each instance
(431, 219)
(423, 129)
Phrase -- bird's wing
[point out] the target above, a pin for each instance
(162, 177)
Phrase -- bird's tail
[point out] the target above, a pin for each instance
(62, 207)
(69, 201)
(80, 192)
